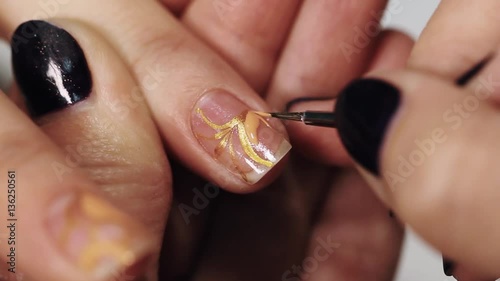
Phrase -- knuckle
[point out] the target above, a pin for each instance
(158, 47)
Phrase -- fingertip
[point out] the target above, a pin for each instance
(393, 50)
(324, 145)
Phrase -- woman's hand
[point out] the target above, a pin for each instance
(426, 137)
(100, 87)
(146, 70)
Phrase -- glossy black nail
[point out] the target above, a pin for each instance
(49, 66)
(448, 267)
(364, 110)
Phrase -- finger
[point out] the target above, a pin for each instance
(202, 108)
(354, 237)
(431, 168)
(329, 45)
(81, 94)
(79, 236)
(323, 144)
(392, 51)
(248, 34)
(440, 47)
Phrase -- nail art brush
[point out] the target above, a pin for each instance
(313, 118)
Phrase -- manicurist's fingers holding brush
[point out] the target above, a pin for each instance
(426, 138)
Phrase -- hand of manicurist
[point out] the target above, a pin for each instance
(139, 107)
(425, 137)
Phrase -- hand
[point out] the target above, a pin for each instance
(87, 91)
(425, 138)
(192, 69)
(275, 233)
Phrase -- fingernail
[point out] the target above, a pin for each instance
(448, 267)
(49, 66)
(246, 142)
(98, 239)
(364, 110)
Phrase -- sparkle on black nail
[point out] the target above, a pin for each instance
(50, 67)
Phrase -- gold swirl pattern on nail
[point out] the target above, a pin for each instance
(245, 126)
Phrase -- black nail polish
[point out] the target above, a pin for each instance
(364, 110)
(49, 66)
(448, 267)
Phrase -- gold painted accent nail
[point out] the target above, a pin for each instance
(99, 239)
(246, 142)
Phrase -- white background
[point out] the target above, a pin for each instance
(418, 261)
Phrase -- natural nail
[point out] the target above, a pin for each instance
(49, 66)
(246, 142)
(364, 110)
(98, 239)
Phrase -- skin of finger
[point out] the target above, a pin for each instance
(170, 65)
(323, 144)
(447, 192)
(271, 227)
(248, 34)
(112, 136)
(461, 273)
(176, 6)
(328, 46)
(33, 162)
(440, 48)
(484, 83)
(368, 239)
(15, 96)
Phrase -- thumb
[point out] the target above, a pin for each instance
(427, 148)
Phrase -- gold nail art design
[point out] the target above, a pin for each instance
(100, 239)
(245, 126)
